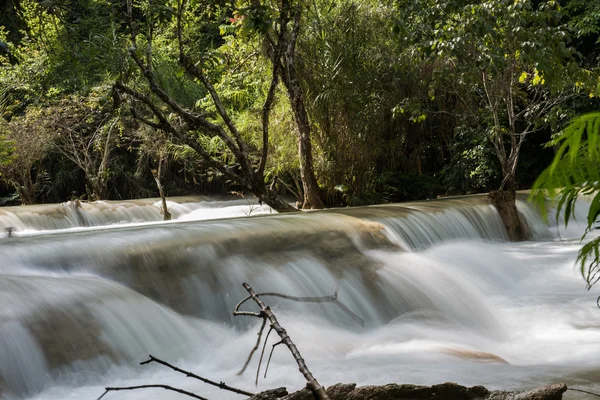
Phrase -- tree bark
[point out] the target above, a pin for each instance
(27, 189)
(163, 198)
(312, 196)
(504, 199)
(505, 203)
(271, 198)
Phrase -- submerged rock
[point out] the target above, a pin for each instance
(444, 391)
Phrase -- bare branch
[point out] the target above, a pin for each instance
(166, 387)
(220, 385)
(244, 61)
(323, 299)
(260, 332)
(262, 355)
(312, 383)
(271, 355)
(584, 391)
(164, 124)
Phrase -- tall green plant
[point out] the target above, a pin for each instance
(575, 172)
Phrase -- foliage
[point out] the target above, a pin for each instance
(473, 167)
(575, 173)
(511, 59)
(584, 17)
(397, 102)
(86, 133)
(25, 142)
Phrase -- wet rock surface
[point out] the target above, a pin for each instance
(444, 391)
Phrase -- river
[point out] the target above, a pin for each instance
(443, 295)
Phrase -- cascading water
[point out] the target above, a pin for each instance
(443, 295)
(76, 214)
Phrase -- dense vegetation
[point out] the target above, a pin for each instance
(332, 101)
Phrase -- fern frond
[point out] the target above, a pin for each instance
(575, 171)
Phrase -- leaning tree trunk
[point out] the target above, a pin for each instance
(271, 198)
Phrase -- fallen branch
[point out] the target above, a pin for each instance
(266, 313)
(271, 355)
(166, 387)
(262, 355)
(322, 299)
(584, 391)
(260, 332)
(220, 385)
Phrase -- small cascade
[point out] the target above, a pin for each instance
(77, 214)
(433, 281)
(419, 225)
(79, 322)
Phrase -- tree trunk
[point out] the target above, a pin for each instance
(94, 187)
(157, 173)
(504, 199)
(505, 203)
(26, 190)
(27, 195)
(101, 177)
(272, 199)
(312, 196)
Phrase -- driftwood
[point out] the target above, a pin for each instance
(220, 385)
(322, 299)
(266, 314)
(166, 387)
(445, 391)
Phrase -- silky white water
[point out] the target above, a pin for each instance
(444, 298)
(74, 215)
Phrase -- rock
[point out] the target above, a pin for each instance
(444, 391)
(271, 394)
(473, 355)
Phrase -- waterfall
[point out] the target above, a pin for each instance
(74, 214)
(435, 282)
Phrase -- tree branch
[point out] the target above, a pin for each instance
(268, 105)
(322, 299)
(164, 124)
(166, 387)
(266, 313)
(271, 355)
(260, 332)
(262, 355)
(220, 385)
